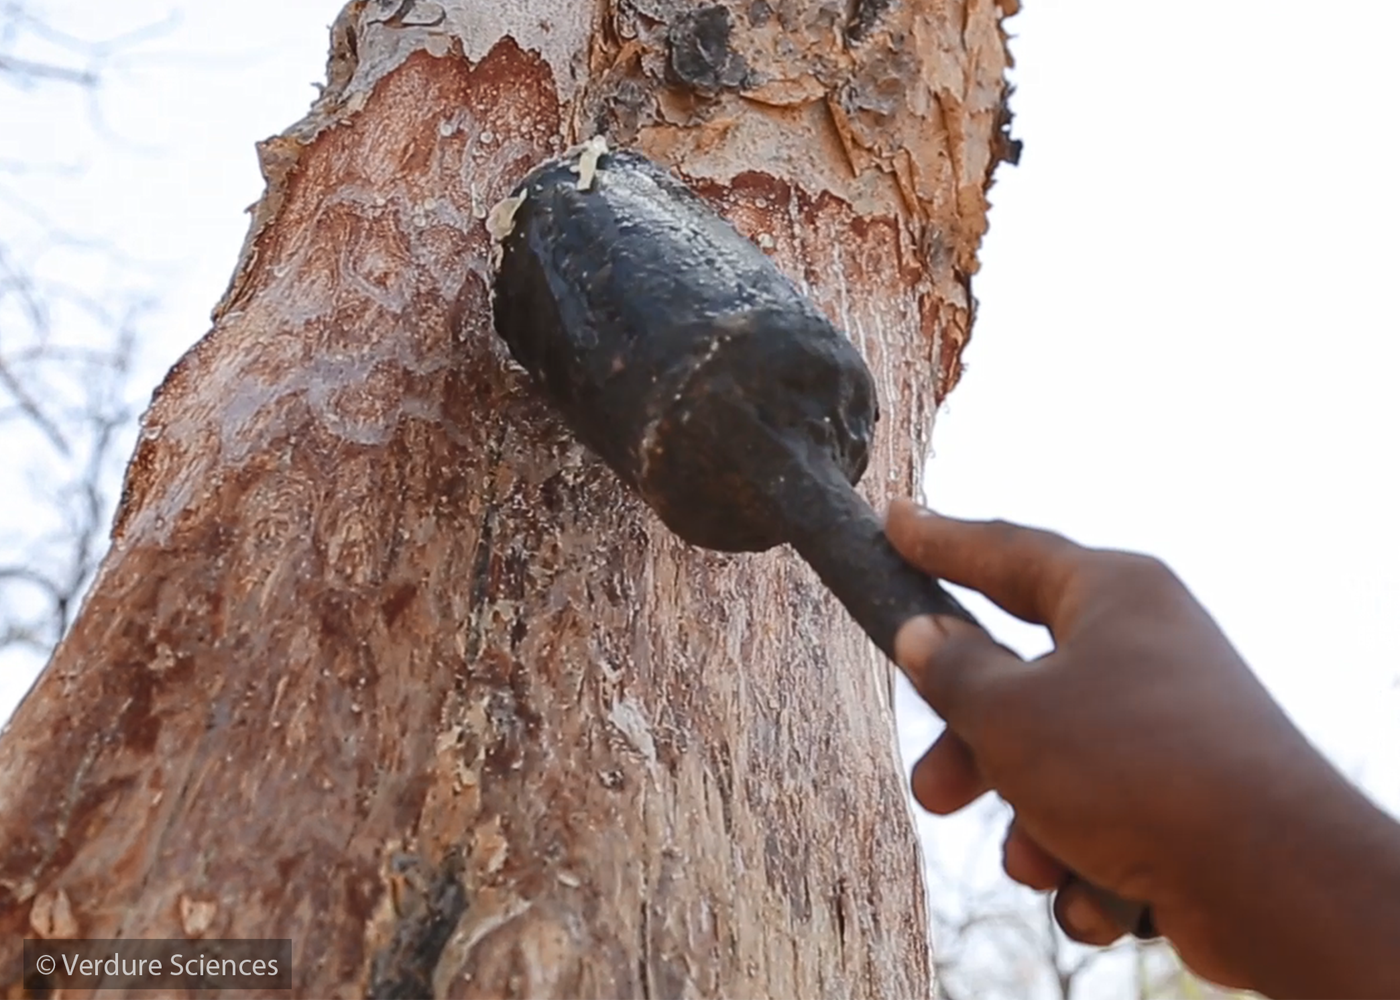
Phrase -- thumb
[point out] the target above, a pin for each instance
(1025, 571)
(956, 667)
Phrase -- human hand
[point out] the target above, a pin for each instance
(1141, 753)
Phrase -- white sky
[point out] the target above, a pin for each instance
(1188, 335)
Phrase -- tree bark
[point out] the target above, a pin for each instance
(381, 661)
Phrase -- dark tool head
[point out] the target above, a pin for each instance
(676, 350)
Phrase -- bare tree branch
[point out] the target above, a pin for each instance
(21, 25)
(65, 357)
(28, 70)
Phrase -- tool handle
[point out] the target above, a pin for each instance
(841, 538)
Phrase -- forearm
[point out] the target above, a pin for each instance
(1308, 901)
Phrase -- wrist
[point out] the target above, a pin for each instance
(1302, 894)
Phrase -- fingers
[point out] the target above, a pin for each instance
(1029, 863)
(1081, 916)
(1023, 570)
(955, 667)
(946, 778)
(1087, 914)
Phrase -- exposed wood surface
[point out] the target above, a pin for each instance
(381, 661)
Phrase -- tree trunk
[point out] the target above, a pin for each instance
(381, 661)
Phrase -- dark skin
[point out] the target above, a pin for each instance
(1143, 754)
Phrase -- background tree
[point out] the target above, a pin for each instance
(382, 662)
(70, 308)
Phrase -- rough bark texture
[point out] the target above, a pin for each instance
(383, 662)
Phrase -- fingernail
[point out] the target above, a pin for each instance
(917, 641)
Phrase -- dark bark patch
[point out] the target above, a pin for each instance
(140, 726)
(428, 914)
(838, 904)
(700, 54)
(864, 17)
(337, 622)
(1005, 147)
(397, 603)
(480, 581)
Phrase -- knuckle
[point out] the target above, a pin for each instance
(1002, 533)
(1133, 573)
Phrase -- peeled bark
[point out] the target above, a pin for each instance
(383, 662)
